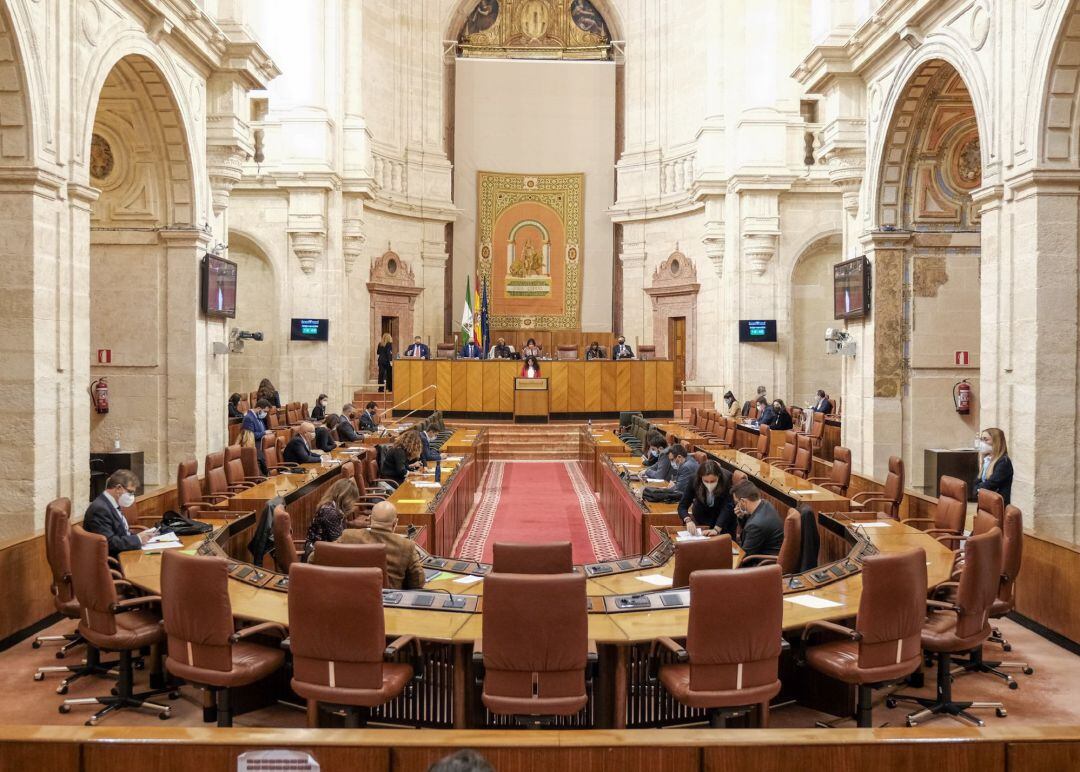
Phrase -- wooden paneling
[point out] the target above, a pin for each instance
(405, 373)
(665, 385)
(109, 757)
(459, 386)
(649, 375)
(445, 385)
(474, 374)
(575, 384)
(524, 758)
(593, 387)
(608, 386)
(1049, 584)
(1041, 757)
(557, 386)
(26, 579)
(491, 389)
(955, 757)
(636, 394)
(507, 372)
(429, 381)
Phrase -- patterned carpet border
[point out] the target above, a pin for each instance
(474, 536)
(603, 546)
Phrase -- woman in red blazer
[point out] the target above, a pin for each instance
(531, 368)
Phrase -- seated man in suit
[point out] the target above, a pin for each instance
(684, 468)
(762, 530)
(429, 452)
(471, 351)
(418, 350)
(346, 432)
(823, 404)
(104, 517)
(765, 412)
(368, 422)
(658, 459)
(621, 350)
(404, 570)
(500, 350)
(299, 449)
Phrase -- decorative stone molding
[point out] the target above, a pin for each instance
(224, 163)
(847, 169)
(352, 242)
(714, 239)
(308, 246)
(393, 292)
(674, 293)
(759, 249)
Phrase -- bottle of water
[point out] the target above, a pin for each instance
(116, 442)
(590, 425)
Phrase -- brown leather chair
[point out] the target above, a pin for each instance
(817, 431)
(445, 351)
(338, 642)
(953, 628)
(950, 514)
(993, 505)
(888, 500)
(840, 475)
(335, 555)
(250, 458)
(110, 623)
(540, 558)
(235, 473)
(566, 353)
(1012, 550)
(286, 548)
(885, 644)
(699, 456)
(190, 498)
(646, 352)
(727, 670)
(790, 550)
(527, 669)
(58, 555)
(273, 453)
(691, 556)
(804, 457)
(761, 449)
(216, 480)
(205, 648)
(787, 453)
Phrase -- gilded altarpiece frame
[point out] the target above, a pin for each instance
(530, 249)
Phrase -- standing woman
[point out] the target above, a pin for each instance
(318, 413)
(707, 504)
(385, 352)
(995, 468)
(268, 392)
(332, 514)
(531, 368)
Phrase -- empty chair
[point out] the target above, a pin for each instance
(216, 479)
(787, 453)
(205, 648)
(338, 641)
(646, 352)
(190, 499)
(566, 353)
(691, 556)
(445, 351)
(888, 500)
(817, 430)
(335, 555)
(761, 449)
(949, 514)
(110, 623)
(528, 670)
(886, 642)
(727, 670)
(235, 473)
(543, 558)
(804, 456)
(839, 475)
(993, 505)
(954, 628)
(286, 548)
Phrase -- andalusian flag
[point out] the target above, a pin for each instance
(467, 331)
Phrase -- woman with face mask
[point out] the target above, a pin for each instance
(318, 413)
(995, 467)
(781, 418)
(707, 504)
(731, 408)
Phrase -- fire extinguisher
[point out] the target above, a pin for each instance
(962, 397)
(99, 395)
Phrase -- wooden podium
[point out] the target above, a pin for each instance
(530, 400)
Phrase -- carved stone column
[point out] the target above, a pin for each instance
(715, 236)
(353, 236)
(760, 214)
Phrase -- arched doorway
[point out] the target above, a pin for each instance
(927, 259)
(257, 310)
(143, 279)
(811, 315)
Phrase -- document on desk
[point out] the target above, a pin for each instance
(657, 580)
(655, 480)
(812, 601)
(419, 484)
(168, 541)
(470, 579)
(794, 492)
(870, 524)
(687, 536)
(452, 458)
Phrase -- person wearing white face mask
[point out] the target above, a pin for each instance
(104, 517)
(707, 504)
(995, 468)
(255, 422)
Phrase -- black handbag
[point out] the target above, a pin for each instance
(176, 523)
(660, 495)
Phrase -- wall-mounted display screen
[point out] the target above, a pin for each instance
(757, 331)
(851, 289)
(218, 287)
(310, 329)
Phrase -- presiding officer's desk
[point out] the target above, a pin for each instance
(626, 613)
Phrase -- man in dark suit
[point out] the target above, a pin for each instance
(104, 517)
(621, 350)
(824, 404)
(765, 412)
(299, 449)
(684, 467)
(346, 432)
(367, 418)
(428, 452)
(471, 351)
(762, 530)
(403, 567)
(418, 350)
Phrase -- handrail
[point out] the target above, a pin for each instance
(411, 396)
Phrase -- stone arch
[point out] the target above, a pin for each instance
(18, 107)
(810, 311)
(1057, 86)
(898, 102)
(137, 60)
(258, 308)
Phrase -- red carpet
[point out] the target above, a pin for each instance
(535, 502)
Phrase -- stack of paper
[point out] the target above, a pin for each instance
(658, 580)
(687, 536)
(165, 541)
(812, 601)
(420, 484)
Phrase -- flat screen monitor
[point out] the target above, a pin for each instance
(218, 287)
(757, 331)
(310, 329)
(851, 289)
